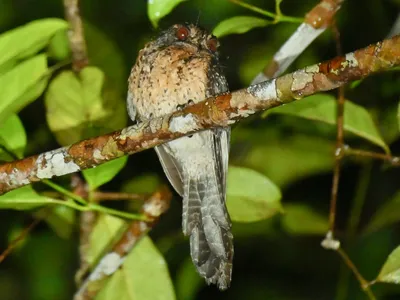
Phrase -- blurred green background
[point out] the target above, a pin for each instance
(280, 257)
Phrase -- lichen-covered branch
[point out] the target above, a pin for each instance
(217, 111)
(316, 21)
(76, 35)
(153, 208)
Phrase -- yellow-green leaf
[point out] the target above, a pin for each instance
(12, 138)
(102, 174)
(27, 40)
(390, 271)
(238, 25)
(22, 84)
(157, 9)
(23, 198)
(322, 107)
(131, 281)
(251, 196)
(76, 108)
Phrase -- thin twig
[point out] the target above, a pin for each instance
(153, 208)
(339, 141)
(365, 285)
(19, 238)
(106, 196)
(86, 223)
(392, 160)
(222, 110)
(76, 35)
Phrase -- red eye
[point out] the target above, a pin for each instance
(182, 33)
(212, 44)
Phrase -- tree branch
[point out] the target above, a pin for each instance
(76, 35)
(316, 21)
(223, 110)
(153, 208)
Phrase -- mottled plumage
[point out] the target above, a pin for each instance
(181, 67)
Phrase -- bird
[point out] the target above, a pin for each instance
(179, 68)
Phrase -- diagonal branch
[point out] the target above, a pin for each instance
(156, 205)
(316, 21)
(223, 110)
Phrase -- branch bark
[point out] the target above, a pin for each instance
(76, 36)
(316, 21)
(217, 111)
(156, 205)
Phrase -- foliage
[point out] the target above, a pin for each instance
(279, 177)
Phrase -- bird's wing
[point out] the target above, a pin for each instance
(171, 168)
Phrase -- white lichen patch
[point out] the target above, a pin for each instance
(53, 163)
(300, 80)
(312, 69)
(155, 124)
(97, 155)
(183, 124)
(351, 61)
(108, 265)
(263, 91)
(133, 132)
(19, 177)
(330, 243)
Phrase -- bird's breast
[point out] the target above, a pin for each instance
(165, 80)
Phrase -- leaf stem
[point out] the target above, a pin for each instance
(277, 17)
(364, 284)
(85, 206)
(65, 192)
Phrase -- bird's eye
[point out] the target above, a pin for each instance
(212, 44)
(182, 33)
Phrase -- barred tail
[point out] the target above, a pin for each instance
(206, 220)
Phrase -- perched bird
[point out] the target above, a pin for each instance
(179, 68)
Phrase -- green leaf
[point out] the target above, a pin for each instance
(238, 24)
(143, 184)
(188, 281)
(251, 196)
(102, 174)
(105, 232)
(59, 46)
(390, 271)
(281, 157)
(144, 275)
(105, 54)
(24, 198)
(12, 138)
(22, 85)
(61, 219)
(144, 262)
(157, 9)
(386, 215)
(76, 109)
(27, 40)
(322, 107)
(301, 219)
